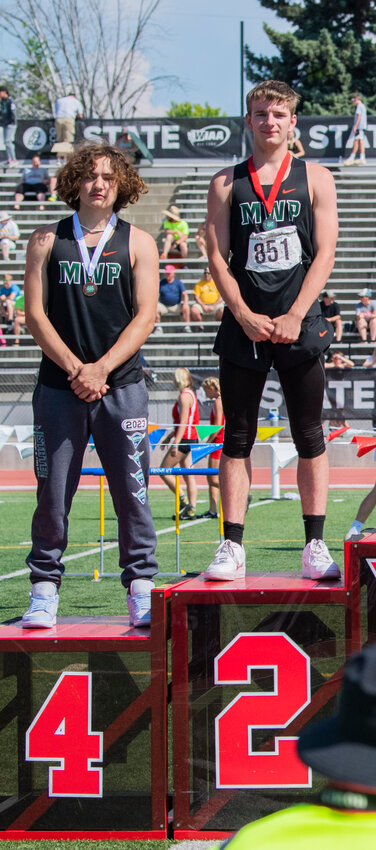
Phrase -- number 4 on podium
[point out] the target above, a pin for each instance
(61, 731)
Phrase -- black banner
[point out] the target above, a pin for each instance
(165, 138)
(349, 394)
(180, 138)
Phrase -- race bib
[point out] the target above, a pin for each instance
(274, 250)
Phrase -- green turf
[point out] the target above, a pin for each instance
(273, 541)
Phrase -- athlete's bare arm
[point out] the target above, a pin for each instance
(325, 232)
(256, 326)
(36, 291)
(88, 378)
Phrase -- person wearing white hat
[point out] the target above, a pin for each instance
(177, 232)
(9, 233)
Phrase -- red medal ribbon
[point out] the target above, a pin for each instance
(269, 202)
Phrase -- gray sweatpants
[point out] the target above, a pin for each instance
(62, 426)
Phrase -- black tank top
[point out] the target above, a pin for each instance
(278, 260)
(90, 326)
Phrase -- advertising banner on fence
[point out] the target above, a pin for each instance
(349, 394)
(165, 138)
(323, 136)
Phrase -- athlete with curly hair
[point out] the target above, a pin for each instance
(91, 292)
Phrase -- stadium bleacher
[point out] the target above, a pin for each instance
(187, 188)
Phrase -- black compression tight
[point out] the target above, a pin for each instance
(241, 392)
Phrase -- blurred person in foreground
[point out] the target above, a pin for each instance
(342, 748)
(91, 288)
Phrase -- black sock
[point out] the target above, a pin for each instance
(313, 526)
(233, 531)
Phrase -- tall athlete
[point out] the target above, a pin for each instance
(91, 291)
(277, 216)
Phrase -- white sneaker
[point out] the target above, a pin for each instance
(349, 162)
(44, 601)
(139, 602)
(187, 329)
(317, 562)
(158, 330)
(361, 162)
(228, 564)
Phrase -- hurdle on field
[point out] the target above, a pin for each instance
(154, 470)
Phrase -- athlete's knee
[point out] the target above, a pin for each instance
(309, 441)
(238, 443)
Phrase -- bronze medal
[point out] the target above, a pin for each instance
(90, 288)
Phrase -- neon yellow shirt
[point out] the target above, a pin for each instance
(307, 827)
(179, 227)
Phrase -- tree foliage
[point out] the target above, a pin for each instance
(328, 53)
(193, 110)
(96, 50)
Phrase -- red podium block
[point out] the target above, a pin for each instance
(252, 662)
(83, 724)
(360, 560)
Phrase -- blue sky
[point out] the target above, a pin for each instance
(201, 46)
(198, 43)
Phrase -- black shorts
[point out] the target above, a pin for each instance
(31, 189)
(185, 445)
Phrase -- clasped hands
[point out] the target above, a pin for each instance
(88, 381)
(259, 327)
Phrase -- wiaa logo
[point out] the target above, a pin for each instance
(213, 136)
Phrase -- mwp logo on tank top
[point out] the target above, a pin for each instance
(255, 212)
(73, 272)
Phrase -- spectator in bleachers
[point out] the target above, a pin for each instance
(34, 183)
(357, 134)
(177, 232)
(331, 312)
(67, 109)
(200, 239)
(185, 414)
(173, 299)
(212, 390)
(8, 294)
(294, 144)
(128, 147)
(19, 318)
(365, 315)
(9, 233)
(8, 121)
(207, 299)
(370, 361)
(338, 360)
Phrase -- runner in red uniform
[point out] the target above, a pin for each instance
(185, 414)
